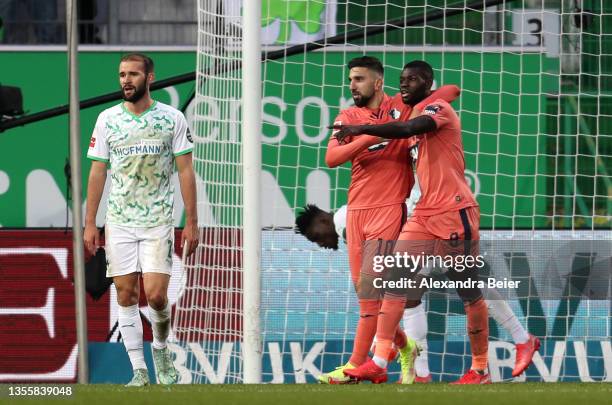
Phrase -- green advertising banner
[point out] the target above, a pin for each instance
(500, 106)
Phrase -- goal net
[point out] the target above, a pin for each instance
(537, 125)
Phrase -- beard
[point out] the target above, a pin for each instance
(137, 94)
(361, 100)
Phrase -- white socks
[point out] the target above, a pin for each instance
(382, 363)
(160, 324)
(415, 326)
(503, 315)
(130, 326)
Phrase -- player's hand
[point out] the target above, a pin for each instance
(190, 235)
(91, 238)
(343, 131)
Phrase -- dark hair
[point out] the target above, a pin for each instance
(305, 219)
(423, 67)
(369, 62)
(138, 57)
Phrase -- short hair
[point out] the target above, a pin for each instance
(368, 62)
(423, 67)
(139, 57)
(305, 219)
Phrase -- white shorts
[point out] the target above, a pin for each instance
(131, 249)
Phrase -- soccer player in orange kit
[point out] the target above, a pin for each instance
(447, 210)
(381, 179)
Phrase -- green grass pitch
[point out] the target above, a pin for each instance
(388, 394)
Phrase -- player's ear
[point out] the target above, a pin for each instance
(429, 83)
(379, 83)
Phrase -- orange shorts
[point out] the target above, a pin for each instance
(371, 224)
(463, 224)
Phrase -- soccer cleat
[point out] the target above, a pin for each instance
(368, 371)
(423, 380)
(140, 378)
(408, 355)
(524, 354)
(473, 377)
(164, 368)
(337, 376)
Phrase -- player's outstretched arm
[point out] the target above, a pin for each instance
(188, 191)
(95, 187)
(392, 130)
(338, 153)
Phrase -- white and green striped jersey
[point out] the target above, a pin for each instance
(140, 150)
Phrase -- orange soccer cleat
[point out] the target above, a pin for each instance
(368, 371)
(524, 354)
(473, 377)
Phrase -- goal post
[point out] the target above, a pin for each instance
(251, 150)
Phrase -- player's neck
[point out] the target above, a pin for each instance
(415, 102)
(376, 101)
(139, 106)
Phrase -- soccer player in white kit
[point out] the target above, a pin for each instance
(141, 139)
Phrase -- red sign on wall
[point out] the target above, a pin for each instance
(37, 311)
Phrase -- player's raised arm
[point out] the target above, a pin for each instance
(448, 93)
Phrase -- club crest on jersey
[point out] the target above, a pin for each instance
(92, 143)
(432, 109)
(378, 146)
(395, 113)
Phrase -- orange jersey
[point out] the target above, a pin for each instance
(381, 175)
(440, 164)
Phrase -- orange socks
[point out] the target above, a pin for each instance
(389, 317)
(366, 329)
(478, 331)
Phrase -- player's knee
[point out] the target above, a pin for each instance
(157, 300)
(127, 297)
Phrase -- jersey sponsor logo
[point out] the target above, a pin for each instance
(378, 146)
(139, 149)
(92, 142)
(395, 113)
(432, 109)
